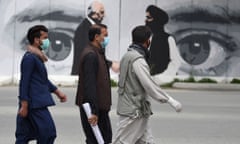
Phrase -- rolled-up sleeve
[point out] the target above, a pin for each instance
(141, 70)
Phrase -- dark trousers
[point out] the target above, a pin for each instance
(38, 125)
(104, 125)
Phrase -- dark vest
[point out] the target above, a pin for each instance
(103, 80)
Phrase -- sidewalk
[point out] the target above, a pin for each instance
(207, 86)
(71, 81)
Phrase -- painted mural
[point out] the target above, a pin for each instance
(206, 32)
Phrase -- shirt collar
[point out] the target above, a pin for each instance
(90, 20)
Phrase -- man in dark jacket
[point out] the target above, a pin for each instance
(94, 86)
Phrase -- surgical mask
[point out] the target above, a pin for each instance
(105, 42)
(45, 44)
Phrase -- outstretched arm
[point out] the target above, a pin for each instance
(152, 89)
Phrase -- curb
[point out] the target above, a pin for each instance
(206, 86)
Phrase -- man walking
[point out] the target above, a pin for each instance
(135, 87)
(94, 87)
(34, 121)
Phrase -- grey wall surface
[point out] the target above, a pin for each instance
(207, 32)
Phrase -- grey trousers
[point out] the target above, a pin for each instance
(133, 131)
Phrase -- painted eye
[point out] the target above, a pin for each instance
(202, 49)
(194, 49)
(61, 45)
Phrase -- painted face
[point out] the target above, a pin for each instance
(99, 12)
(149, 18)
(61, 22)
(207, 36)
(206, 32)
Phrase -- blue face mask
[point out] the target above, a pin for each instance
(105, 42)
(45, 44)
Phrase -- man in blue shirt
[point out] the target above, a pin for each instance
(34, 121)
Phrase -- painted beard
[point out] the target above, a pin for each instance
(153, 26)
(96, 20)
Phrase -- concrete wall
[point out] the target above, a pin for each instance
(207, 32)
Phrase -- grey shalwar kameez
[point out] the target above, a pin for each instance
(134, 107)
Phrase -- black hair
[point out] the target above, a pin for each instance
(102, 25)
(93, 31)
(35, 32)
(141, 34)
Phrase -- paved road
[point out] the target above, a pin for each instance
(209, 117)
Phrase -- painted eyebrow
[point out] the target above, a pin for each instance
(55, 16)
(197, 14)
